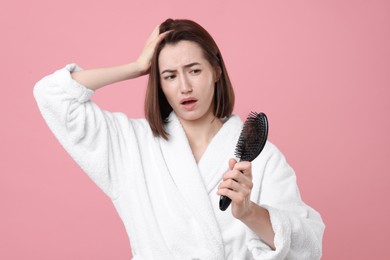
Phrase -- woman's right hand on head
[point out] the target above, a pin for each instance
(145, 58)
(100, 77)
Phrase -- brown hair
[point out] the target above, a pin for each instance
(157, 108)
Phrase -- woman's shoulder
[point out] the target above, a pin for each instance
(137, 124)
(140, 124)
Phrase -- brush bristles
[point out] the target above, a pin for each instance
(253, 137)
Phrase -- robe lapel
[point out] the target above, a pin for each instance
(215, 160)
(186, 175)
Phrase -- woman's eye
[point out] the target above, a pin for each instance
(169, 77)
(195, 72)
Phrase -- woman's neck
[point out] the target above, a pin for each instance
(200, 133)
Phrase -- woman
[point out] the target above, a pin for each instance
(165, 174)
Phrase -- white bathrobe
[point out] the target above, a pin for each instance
(167, 201)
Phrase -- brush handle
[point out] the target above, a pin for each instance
(224, 202)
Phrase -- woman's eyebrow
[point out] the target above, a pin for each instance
(191, 64)
(185, 66)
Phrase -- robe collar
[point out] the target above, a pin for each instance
(196, 181)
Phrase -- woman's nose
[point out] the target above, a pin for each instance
(185, 85)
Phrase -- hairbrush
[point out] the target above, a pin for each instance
(250, 144)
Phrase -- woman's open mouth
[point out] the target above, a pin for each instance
(188, 103)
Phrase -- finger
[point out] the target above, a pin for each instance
(232, 181)
(244, 190)
(237, 177)
(154, 34)
(152, 42)
(245, 167)
(161, 37)
(236, 197)
(226, 192)
(232, 162)
(229, 184)
(156, 30)
(234, 174)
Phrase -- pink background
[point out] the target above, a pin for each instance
(319, 69)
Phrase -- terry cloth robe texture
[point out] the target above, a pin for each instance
(167, 201)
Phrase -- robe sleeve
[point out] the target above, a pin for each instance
(91, 136)
(298, 228)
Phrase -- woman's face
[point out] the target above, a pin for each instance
(187, 80)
